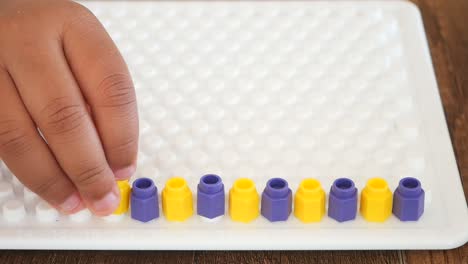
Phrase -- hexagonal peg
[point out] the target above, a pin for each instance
(210, 196)
(144, 200)
(408, 200)
(309, 201)
(342, 200)
(376, 201)
(276, 200)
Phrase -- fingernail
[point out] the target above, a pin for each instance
(107, 204)
(125, 173)
(71, 204)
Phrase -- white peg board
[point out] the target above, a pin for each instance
(268, 89)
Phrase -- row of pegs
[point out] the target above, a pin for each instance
(276, 202)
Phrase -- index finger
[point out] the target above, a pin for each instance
(107, 86)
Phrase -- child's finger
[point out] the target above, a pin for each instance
(106, 83)
(27, 155)
(55, 103)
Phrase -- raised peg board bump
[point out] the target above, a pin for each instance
(271, 89)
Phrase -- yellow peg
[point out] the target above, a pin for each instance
(309, 201)
(376, 200)
(125, 190)
(177, 201)
(244, 201)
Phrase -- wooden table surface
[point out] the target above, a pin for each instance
(446, 23)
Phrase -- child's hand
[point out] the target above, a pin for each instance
(61, 73)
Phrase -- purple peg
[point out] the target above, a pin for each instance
(342, 200)
(408, 200)
(276, 200)
(210, 196)
(144, 200)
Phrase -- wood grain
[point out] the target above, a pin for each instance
(342, 257)
(240, 257)
(96, 257)
(447, 32)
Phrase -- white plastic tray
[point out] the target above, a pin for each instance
(274, 89)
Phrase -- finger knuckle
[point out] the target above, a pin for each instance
(116, 90)
(45, 186)
(90, 175)
(14, 138)
(124, 150)
(64, 116)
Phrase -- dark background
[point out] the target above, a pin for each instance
(446, 23)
